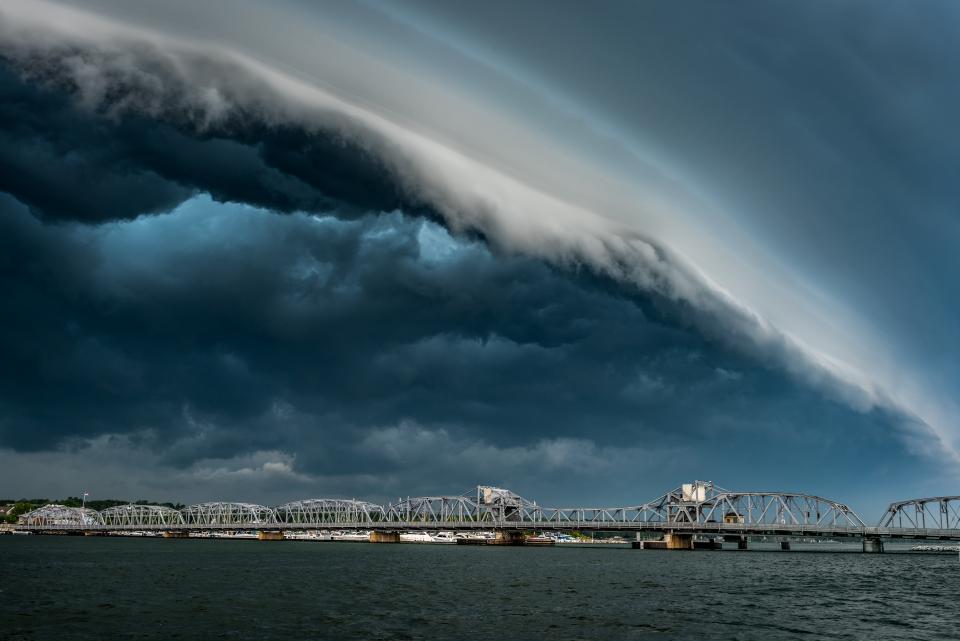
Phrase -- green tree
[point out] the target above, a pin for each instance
(19, 508)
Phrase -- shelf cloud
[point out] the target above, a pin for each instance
(220, 199)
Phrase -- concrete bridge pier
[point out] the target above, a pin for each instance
(267, 535)
(507, 537)
(384, 537)
(676, 541)
(872, 545)
(739, 539)
(671, 541)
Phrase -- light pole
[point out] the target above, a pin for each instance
(83, 505)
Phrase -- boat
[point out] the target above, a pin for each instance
(935, 548)
(352, 536)
(21, 532)
(446, 538)
(542, 539)
(313, 535)
(474, 538)
(415, 537)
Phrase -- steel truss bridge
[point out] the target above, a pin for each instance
(695, 508)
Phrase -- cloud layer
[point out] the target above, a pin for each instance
(530, 326)
(310, 354)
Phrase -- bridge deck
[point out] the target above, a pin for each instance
(719, 529)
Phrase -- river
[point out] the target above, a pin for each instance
(64, 588)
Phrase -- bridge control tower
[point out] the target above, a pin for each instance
(505, 507)
(689, 505)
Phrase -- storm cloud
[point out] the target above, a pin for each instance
(227, 274)
(367, 348)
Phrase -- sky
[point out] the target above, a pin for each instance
(386, 249)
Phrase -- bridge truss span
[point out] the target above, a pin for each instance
(935, 512)
(135, 516)
(330, 512)
(56, 516)
(228, 514)
(438, 510)
(773, 508)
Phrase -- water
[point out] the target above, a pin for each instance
(113, 588)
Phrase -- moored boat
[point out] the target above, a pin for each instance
(312, 535)
(542, 539)
(474, 538)
(351, 536)
(446, 538)
(415, 537)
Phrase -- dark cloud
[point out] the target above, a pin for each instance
(73, 163)
(372, 346)
(827, 130)
(349, 337)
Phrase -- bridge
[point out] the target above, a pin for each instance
(692, 510)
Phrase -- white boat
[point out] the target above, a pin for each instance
(543, 539)
(21, 532)
(935, 548)
(446, 538)
(313, 535)
(474, 538)
(352, 536)
(415, 537)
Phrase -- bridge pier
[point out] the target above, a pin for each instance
(384, 537)
(507, 537)
(739, 539)
(872, 545)
(741, 543)
(266, 535)
(709, 544)
(677, 541)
